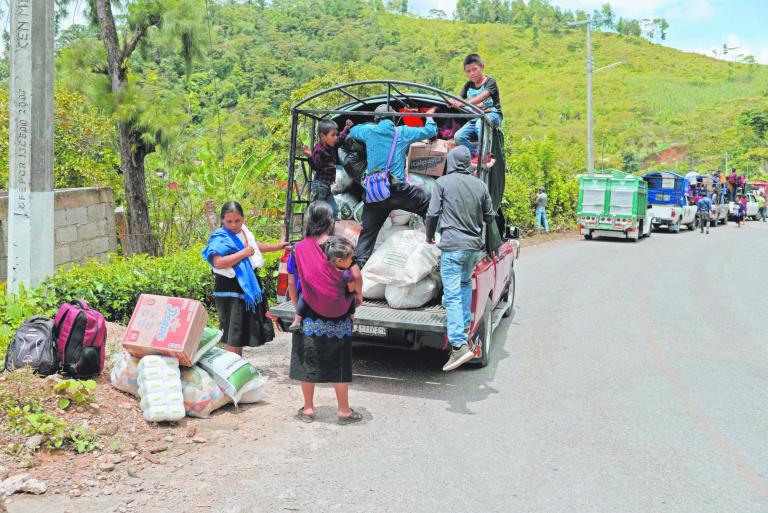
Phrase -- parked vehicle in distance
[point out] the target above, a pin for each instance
(711, 185)
(672, 207)
(613, 204)
(752, 208)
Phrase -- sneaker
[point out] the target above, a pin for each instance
(458, 358)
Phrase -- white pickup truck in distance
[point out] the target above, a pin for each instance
(752, 208)
(674, 216)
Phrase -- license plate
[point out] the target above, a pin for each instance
(370, 331)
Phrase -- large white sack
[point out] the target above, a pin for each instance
(423, 182)
(372, 289)
(386, 232)
(412, 296)
(404, 259)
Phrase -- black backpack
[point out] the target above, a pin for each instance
(34, 345)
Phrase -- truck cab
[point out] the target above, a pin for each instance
(672, 206)
(493, 279)
(613, 204)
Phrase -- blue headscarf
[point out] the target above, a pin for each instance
(222, 242)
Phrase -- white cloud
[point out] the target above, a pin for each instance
(690, 10)
(737, 49)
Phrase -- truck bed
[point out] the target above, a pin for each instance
(377, 313)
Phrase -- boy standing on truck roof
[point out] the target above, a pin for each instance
(461, 204)
(483, 92)
(386, 146)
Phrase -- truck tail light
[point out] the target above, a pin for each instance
(282, 276)
(674, 213)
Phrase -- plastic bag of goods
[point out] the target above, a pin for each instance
(125, 372)
(373, 290)
(400, 217)
(412, 296)
(343, 181)
(160, 388)
(202, 395)
(350, 230)
(233, 373)
(423, 182)
(347, 204)
(357, 214)
(404, 259)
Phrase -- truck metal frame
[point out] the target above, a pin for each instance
(493, 280)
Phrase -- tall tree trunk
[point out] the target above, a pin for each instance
(132, 149)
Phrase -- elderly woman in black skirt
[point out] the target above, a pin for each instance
(322, 346)
(234, 255)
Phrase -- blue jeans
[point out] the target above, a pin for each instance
(322, 192)
(471, 131)
(456, 271)
(541, 219)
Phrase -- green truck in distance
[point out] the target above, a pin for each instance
(614, 204)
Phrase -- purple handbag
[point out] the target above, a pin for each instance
(377, 184)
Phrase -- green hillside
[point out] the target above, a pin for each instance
(237, 79)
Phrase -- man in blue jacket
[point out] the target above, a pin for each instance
(378, 139)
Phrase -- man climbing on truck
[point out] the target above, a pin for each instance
(387, 147)
(461, 204)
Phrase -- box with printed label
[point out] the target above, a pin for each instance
(168, 326)
(428, 158)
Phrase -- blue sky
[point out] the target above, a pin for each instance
(695, 25)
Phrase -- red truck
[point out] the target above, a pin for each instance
(493, 281)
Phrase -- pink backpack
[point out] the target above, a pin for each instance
(81, 335)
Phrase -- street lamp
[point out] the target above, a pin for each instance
(590, 70)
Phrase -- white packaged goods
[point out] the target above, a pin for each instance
(343, 181)
(232, 372)
(160, 388)
(347, 203)
(399, 217)
(125, 372)
(412, 296)
(373, 290)
(202, 395)
(404, 259)
(357, 214)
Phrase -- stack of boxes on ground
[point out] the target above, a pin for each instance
(403, 268)
(170, 360)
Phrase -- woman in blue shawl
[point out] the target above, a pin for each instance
(234, 255)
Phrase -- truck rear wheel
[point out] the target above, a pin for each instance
(510, 295)
(588, 235)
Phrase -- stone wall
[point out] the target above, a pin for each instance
(84, 224)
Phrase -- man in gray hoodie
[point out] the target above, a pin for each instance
(461, 204)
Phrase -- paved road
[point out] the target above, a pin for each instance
(633, 377)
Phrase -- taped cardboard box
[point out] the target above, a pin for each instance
(428, 158)
(168, 326)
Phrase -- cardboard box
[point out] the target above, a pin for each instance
(168, 326)
(428, 158)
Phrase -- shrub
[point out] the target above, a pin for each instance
(113, 286)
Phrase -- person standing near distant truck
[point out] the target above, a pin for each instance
(541, 211)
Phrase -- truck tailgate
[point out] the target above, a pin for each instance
(378, 313)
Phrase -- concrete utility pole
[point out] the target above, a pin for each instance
(30, 187)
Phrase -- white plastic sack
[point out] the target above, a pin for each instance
(373, 290)
(412, 296)
(399, 217)
(233, 373)
(386, 232)
(125, 373)
(343, 181)
(202, 396)
(347, 203)
(404, 259)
